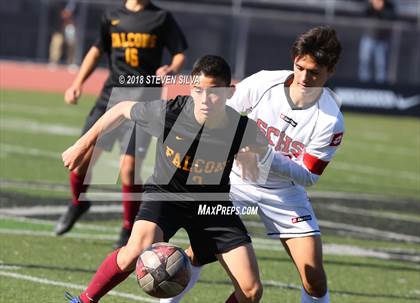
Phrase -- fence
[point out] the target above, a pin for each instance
(250, 37)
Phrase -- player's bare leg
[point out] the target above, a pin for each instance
(144, 234)
(78, 184)
(306, 253)
(131, 190)
(241, 265)
(120, 264)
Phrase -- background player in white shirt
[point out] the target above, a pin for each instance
(303, 123)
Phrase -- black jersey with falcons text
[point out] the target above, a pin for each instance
(134, 41)
(191, 157)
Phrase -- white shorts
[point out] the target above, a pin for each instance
(282, 217)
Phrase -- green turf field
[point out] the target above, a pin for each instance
(379, 154)
(371, 189)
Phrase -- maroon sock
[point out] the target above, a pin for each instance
(232, 299)
(106, 278)
(130, 204)
(77, 187)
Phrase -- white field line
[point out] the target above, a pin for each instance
(312, 194)
(370, 170)
(258, 243)
(373, 198)
(102, 228)
(35, 127)
(280, 284)
(31, 126)
(26, 232)
(124, 295)
(356, 229)
(54, 222)
(382, 148)
(354, 168)
(370, 136)
(365, 179)
(115, 293)
(37, 110)
(57, 210)
(369, 231)
(10, 267)
(373, 136)
(372, 213)
(55, 187)
(30, 151)
(73, 286)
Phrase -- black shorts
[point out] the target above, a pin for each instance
(209, 234)
(133, 139)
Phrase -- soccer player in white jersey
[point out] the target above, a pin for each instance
(303, 123)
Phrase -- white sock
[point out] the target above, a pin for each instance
(308, 299)
(195, 274)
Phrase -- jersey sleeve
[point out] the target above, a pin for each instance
(174, 37)
(244, 95)
(150, 116)
(251, 89)
(323, 146)
(103, 42)
(307, 169)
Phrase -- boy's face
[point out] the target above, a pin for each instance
(308, 75)
(209, 96)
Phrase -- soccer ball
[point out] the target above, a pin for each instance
(163, 270)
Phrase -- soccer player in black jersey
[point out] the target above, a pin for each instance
(198, 137)
(132, 38)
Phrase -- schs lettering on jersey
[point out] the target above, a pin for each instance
(309, 136)
(280, 140)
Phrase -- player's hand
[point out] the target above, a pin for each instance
(248, 162)
(72, 94)
(73, 156)
(163, 71)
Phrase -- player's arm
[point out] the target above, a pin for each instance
(254, 146)
(317, 155)
(297, 172)
(88, 66)
(248, 159)
(111, 119)
(101, 45)
(175, 42)
(176, 65)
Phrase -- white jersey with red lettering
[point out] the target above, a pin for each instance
(304, 140)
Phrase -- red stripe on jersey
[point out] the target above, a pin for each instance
(314, 164)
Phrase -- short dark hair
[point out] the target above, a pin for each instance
(213, 66)
(321, 43)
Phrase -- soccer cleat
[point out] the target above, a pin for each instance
(123, 239)
(71, 299)
(67, 220)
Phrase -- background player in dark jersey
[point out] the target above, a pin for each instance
(133, 38)
(198, 138)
